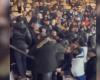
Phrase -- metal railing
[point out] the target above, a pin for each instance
(21, 52)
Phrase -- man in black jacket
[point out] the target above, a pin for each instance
(46, 57)
(21, 39)
(91, 66)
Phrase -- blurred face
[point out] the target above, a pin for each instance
(87, 18)
(75, 29)
(54, 33)
(41, 3)
(14, 21)
(53, 22)
(74, 45)
(43, 33)
(79, 23)
(68, 49)
(56, 7)
(36, 3)
(40, 16)
(78, 18)
(47, 22)
(35, 26)
(65, 16)
(43, 30)
(76, 13)
(94, 19)
(48, 12)
(71, 11)
(46, 16)
(86, 13)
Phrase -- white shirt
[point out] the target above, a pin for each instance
(78, 65)
(85, 50)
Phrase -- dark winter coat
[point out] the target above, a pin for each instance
(91, 69)
(47, 57)
(21, 36)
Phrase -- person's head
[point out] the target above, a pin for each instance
(87, 18)
(68, 50)
(48, 12)
(18, 19)
(39, 16)
(76, 13)
(13, 21)
(46, 21)
(53, 22)
(43, 32)
(94, 19)
(35, 26)
(65, 43)
(36, 4)
(25, 13)
(53, 33)
(75, 43)
(74, 27)
(86, 13)
(41, 4)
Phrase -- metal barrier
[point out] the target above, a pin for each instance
(21, 52)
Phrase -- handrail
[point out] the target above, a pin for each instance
(21, 52)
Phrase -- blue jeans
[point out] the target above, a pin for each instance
(81, 78)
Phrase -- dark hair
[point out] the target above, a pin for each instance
(65, 43)
(75, 40)
(40, 29)
(18, 19)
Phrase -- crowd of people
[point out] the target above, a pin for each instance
(61, 41)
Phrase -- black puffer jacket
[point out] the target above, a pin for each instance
(21, 36)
